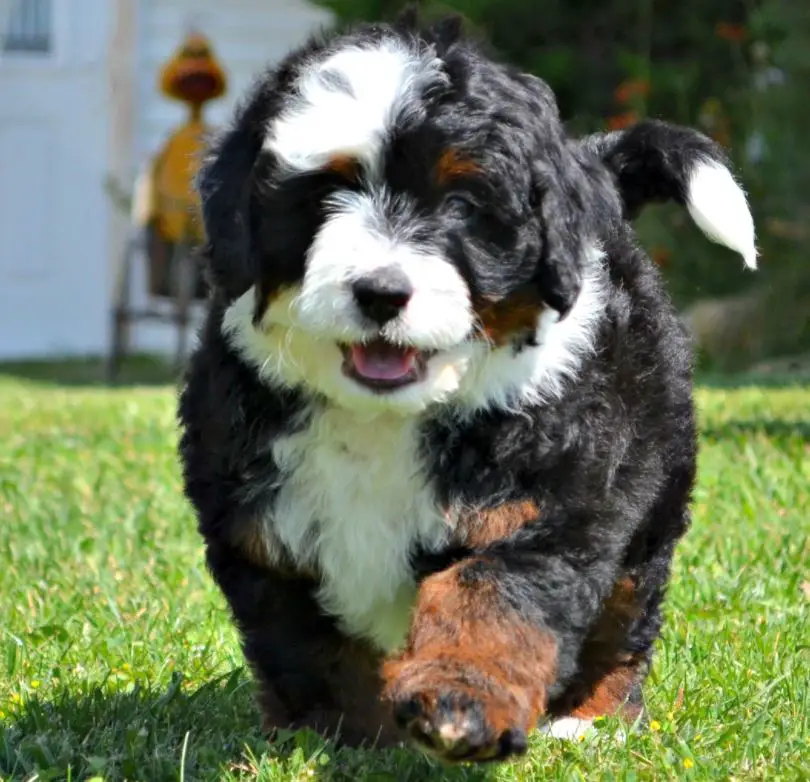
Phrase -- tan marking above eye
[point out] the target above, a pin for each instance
(452, 165)
(343, 165)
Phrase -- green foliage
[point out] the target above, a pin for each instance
(118, 659)
(736, 70)
(586, 50)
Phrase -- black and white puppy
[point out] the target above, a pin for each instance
(439, 431)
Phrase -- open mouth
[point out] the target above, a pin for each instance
(382, 366)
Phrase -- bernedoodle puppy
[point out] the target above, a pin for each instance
(439, 430)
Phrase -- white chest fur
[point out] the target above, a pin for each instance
(353, 502)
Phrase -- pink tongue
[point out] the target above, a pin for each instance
(382, 361)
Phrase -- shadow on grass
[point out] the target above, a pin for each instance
(211, 733)
(137, 370)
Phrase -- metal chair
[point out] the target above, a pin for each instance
(174, 283)
(164, 209)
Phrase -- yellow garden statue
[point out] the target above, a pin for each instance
(194, 77)
(165, 209)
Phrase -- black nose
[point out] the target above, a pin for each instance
(381, 296)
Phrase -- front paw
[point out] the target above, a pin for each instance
(460, 710)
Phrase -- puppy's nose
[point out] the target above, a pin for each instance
(382, 295)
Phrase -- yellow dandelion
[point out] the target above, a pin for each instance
(655, 726)
(688, 762)
(35, 683)
(15, 697)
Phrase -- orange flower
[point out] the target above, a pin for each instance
(630, 89)
(731, 32)
(621, 121)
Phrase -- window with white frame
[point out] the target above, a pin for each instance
(26, 27)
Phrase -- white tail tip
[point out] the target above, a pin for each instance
(719, 208)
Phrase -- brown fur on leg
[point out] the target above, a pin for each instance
(611, 694)
(484, 527)
(472, 680)
(608, 674)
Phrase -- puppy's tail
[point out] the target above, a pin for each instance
(655, 161)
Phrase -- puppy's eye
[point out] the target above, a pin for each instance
(459, 205)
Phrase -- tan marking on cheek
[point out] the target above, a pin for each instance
(505, 319)
(488, 526)
(343, 165)
(452, 166)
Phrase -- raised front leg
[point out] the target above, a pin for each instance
(494, 637)
(474, 677)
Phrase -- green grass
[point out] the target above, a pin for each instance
(118, 661)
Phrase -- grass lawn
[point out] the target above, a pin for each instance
(118, 661)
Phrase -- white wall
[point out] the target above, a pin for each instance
(53, 140)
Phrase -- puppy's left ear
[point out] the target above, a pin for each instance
(655, 162)
(559, 274)
(574, 198)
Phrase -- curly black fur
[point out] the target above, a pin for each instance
(608, 461)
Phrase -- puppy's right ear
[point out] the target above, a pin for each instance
(224, 185)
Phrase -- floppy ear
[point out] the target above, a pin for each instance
(224, 187)
(559, 272)
(574, 198)
(654, 161)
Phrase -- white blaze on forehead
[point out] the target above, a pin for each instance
(347, 103)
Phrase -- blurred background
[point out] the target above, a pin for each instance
(104, 103)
